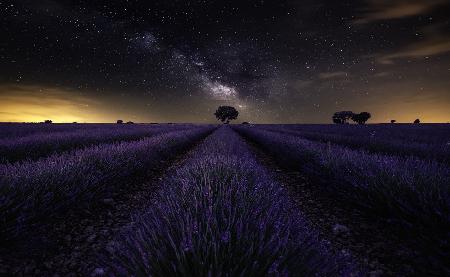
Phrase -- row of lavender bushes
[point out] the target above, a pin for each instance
(221, 214)
(411, 192)
(31, 193)
(44, 144)
(15, 130)
(436, 133)
(374, 144)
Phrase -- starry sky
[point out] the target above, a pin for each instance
(276, 61)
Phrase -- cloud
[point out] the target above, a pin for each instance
(431, 47)
(377, 10)
(382, 74)
(333, 75)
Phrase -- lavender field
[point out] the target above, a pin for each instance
(230, 200)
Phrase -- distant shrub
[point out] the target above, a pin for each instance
(361, 118)
(130, 122)
(342, 117)
(48, 121)
(417, 121)
(393, 120)
(120, 121)
(245, 122)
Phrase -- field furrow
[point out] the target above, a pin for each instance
(17, 130)
(269, 200)
(221, 214)
(34, 192)
(72, 240)
(40, 145)
(377, 144)
(408, 196)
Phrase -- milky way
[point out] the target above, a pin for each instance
(276, 61)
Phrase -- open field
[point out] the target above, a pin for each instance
(209, 200)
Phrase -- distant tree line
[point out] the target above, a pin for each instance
(361, 118)
(344, 116)
(120, 121)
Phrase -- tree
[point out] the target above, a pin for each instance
(417, 121)
(226, 113)
(120, 121)
(361, 118)
(130, 122)
(342, 117)
(245, 123)
(48, 121)
(393, 121)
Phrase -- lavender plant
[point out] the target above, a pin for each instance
(374, 141)
(412, 192)
(31, 193)
(16, 130)
(44, 144)
(221, 214)
(423, 133)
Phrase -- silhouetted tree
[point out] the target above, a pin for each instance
(393, 121)
(361, 118)
(120, 121)
(48, 121)
(342, 117)
(130, 122)
(226, 113)
(417, 121)
(74, 122)
(245, 123)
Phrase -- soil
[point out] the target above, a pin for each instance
(375, 244)
(74, 243)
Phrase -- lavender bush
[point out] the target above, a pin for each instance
(15, 130)
(44, 144)
(220, 214)
(422, 133)
(33, 192)
(376, 140)
(408, 190)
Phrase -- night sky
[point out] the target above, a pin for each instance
(276, 61)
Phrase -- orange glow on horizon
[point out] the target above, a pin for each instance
(33, 104)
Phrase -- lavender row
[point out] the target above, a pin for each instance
(422, 133)
(410, 191)
(221, 214)
(375, 144)
(44, 144)
(16, 130)
(33, 192)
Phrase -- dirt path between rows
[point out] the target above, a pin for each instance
(76, 241)
(369, 241)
